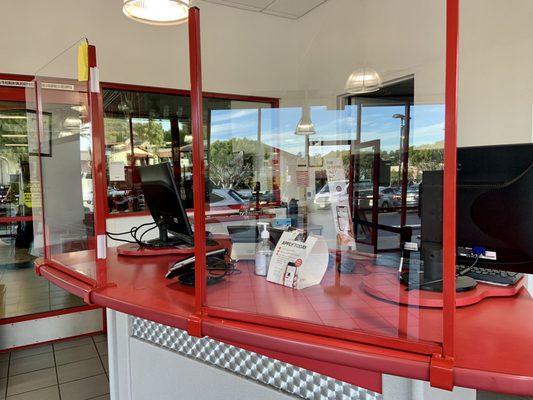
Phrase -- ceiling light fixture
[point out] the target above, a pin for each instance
(363, 80)
(157, 12)
(305, 127)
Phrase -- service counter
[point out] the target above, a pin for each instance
(492, 340)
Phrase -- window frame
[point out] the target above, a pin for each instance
(274, 103)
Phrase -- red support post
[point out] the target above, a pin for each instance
(441, 374)
(40, 139)
(98, 166)
(195, 60)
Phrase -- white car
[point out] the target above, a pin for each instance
(225, 198)
(323, 198)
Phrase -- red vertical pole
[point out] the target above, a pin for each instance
(40, 139)
(195, 61)
(450, 176)
(98, 166)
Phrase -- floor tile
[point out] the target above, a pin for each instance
(32, 351)
(75, 354)
(31, 363)
(4, 356)
(31, 381)
(79, 370)
(105, 361)
(85, 388)
(72, 343)
(104, 397)
(100, 338)
(49, 393)
(3, 383)
(102, 348)
(4, 365)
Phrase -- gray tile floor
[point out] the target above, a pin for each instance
(22, 292)
(72, 370)
(77, 370)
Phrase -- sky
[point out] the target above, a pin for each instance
(278, 125)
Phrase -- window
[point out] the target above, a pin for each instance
(145, 128)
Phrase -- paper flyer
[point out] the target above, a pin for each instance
(117, 171)
(339, 198)
(298, 264)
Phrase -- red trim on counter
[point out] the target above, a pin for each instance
(373, 339)
(143, 291)
(47, 314)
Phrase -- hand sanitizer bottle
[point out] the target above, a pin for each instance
(263, 252)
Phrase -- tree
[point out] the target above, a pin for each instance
(151, 132)
(229, 165)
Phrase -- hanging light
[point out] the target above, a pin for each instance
(305, 127)
(363, 80)
(157, 12)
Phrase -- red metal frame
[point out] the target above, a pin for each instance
(47, 314)
(195, 60)
(274, 103)
(183, 92)
(442, 360)
(441, 373)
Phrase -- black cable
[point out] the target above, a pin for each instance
(463, 272)
(146, 231)
(132, 232)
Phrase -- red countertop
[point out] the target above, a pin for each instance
(494, 339)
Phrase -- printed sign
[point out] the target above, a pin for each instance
(339, 199)
(117, 171)
(298, 264)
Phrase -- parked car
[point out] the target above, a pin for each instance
(413, 196)
(323, 198)
(388, 198)
(226, 198)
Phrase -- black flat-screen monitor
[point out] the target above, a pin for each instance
(164, 202)
(495, 205)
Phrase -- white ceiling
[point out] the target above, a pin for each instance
(292, 9)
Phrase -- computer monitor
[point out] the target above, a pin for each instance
(495, 206)
(164, 202)
(494, 214)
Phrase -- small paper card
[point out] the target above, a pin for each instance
(298, 264)
(117, 171)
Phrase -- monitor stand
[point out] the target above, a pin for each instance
(429, 276)
(175, 244)
(175, 239)
(166, 240)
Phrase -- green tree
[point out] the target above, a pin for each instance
(231, 163)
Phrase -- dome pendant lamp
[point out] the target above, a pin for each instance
(363, 80)
(157, 12)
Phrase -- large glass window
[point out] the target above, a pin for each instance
(143, 128)
(21, 290)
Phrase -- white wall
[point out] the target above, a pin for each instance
(33, 32)
(252, 53)
(496, 72)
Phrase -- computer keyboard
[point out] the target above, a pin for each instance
(493, 276)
